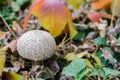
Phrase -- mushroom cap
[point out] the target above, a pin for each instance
(36, 45)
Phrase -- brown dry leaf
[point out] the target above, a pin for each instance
(116, 29)
(12, 45)
(54, 67)
(3, 34)
(101, 4)
(17, 65)
(102, 27)
(17, 28)
(88, 45)
(91, 35)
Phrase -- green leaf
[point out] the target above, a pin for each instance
(81, 34)
(98, 71)
(118, 41)
(74, 67)
(17, 4)
(104, 72)
(111, 72)
(100, 41)
(22, 2)
(40, 79)
(15, 7)
(1, 42)
(82, 74)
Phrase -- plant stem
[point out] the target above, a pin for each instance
(8, 27)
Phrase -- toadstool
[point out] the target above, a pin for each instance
(36, 45)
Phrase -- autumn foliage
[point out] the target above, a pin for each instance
(52, 15)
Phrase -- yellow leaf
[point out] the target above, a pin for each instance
(96, 59)
(14, 76)
(115, 8)
(75, 3)
(72, 30)
(2, 61)
(89, 63)
(80, 55)
(70, 56)
(52, 16)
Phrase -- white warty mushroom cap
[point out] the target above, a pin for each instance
(36, 45)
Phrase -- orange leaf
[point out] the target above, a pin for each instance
(34, 9)
(52, 16)
(106, 15)
(101, 4)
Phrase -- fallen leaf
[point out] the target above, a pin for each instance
(17, 28)
(52, 16)
(71, 56)
(101, 4)
(102, 27)
(13, 76)
(91, 35)
(2, 61)
(34, 9)
(12, 45)
(72, 31)
(54, 67)
(3, 34)
(94, 16)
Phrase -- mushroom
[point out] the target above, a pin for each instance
(36, 45)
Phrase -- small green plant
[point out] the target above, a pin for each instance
(79, 70)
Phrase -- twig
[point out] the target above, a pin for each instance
(113, 14)
(8, 27)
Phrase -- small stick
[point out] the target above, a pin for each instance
(8, 26)
(113, 14)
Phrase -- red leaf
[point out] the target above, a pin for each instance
(94, 16)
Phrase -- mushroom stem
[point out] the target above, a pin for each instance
(36, 62)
